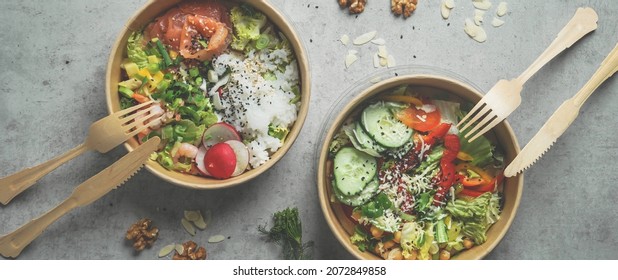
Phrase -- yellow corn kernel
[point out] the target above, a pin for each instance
(173, 54)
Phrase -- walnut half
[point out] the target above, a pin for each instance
(403, 7)
(355, 6)
(142, 234)
(191, 252)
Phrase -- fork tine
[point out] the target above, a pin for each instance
(480, 114)
(131, 109)
(141, 127)
(480, 125)
(139, 120)
(472, 112)
(135, 115)
(489, 117)
(491, 125)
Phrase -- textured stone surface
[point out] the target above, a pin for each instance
(53, 56)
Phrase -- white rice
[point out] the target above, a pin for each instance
(251, 103)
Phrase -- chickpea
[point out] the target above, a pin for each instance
(413, 255)
(397, 236)
(376, 232)
(467, 243)
(389, 244)
(395, 254)
(445, 255)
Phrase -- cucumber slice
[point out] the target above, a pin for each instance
(353, 169)
(365, 140)
(383, 127)
(356, 200)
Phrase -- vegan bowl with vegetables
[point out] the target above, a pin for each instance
(398, 181)
(226, 81)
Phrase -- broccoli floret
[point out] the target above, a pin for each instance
(247, 24)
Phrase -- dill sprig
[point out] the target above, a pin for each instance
(287, 233)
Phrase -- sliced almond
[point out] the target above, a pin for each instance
(483, 4)
(216, 238)
(166, 250)
(179, 249)
(478, 16)
(200, 223)
(391, 61)
(383, 62)
(379, 41)
(345, 39)
(470, 28)
(349, 59)
(188, 226)
(192, 216)
(376, 60)
(496, 22)
(365, 38)
(449, 4)
(445, 11)
(502, 9)
(480, 36)
(382, 52)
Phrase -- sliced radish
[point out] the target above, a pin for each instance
(220, 161)
(242, 156)
(219, 132)
(199, 161)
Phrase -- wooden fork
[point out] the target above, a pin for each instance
(103, 135)
(505, 96)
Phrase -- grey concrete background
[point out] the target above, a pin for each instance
(53, 57)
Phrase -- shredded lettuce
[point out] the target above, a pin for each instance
(412, 237)
(135, 50)
(423, 252)
(477, 215)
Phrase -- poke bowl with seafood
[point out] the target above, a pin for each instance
(229, 84)
(397, 180)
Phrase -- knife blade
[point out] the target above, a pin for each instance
(89, 191)
(564, 116)
(544, 139)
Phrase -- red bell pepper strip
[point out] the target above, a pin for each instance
(448, 174)
(491, 186)
(471, 193)
(437, 133)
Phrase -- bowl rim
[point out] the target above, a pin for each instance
(365, 94)
(302, 60)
